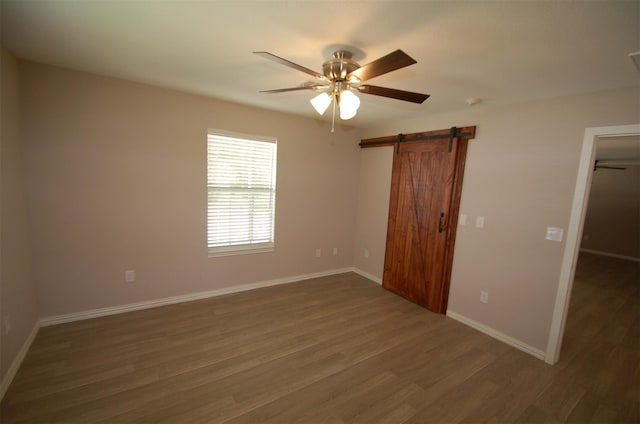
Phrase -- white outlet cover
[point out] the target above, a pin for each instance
(462, 219)
(484, 297)
(129, 276)
(480, 221)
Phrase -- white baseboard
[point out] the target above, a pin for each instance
(130, 307)
(13, 369)
(367, 275)
(540, 354)
(476, 325)
(611, 255)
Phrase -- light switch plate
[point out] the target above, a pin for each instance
(462, 219)
(480, 221)
(554, 234)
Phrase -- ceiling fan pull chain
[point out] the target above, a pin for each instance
(333, 118)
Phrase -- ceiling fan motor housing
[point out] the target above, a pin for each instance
(337, 69)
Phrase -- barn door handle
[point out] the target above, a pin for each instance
(441, 222)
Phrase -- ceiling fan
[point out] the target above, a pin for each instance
(341, 77)
(596, 166)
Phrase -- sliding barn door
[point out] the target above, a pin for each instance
(425, 189)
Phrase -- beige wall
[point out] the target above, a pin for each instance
(612, 222)
(18, 309)
(117, 180)
(373, 210)
(520, 175)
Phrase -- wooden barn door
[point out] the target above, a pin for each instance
(423, 212)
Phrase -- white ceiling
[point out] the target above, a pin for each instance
(502, 52)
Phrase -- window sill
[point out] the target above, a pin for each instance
(215, 252)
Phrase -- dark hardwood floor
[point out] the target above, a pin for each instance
(332, 350)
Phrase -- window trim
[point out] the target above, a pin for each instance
(250, 248)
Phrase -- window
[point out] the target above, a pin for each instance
(241, 181)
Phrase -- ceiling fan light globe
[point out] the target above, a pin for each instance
(347, 114)
(349, 104)
(321, 102)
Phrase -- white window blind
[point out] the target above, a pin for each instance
(241, 180)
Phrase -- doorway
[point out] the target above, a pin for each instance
(575, 229)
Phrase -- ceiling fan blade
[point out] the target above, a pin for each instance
(302, 87)
(290, 64)
(598, 166)
(407, 96)
(396, 60)
(284, 90)
(609, 167)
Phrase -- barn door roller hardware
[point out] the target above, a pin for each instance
(453, 132)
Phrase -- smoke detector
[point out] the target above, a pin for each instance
(473, 101)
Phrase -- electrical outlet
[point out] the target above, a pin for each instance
(480, 221)
(484, 296)
(335, 251)
(129, 276)
(318, 253)
(462, 219)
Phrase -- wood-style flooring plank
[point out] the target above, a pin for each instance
(336, 349)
